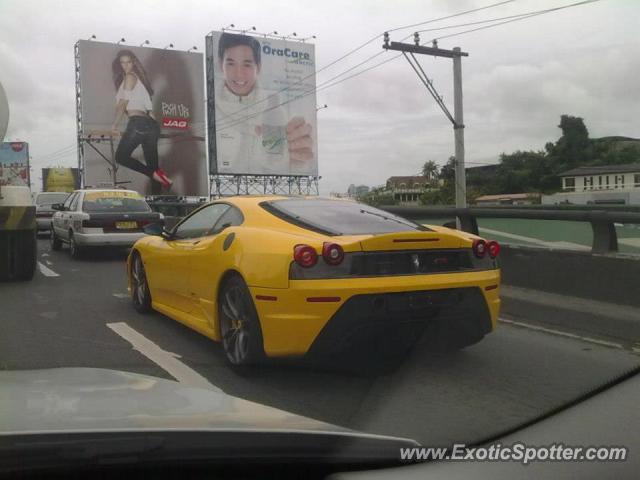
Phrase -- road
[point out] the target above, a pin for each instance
(76, 313)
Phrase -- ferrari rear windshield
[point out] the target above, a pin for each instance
(335, 217)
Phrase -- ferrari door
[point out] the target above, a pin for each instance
(172, 263)
(209, 263)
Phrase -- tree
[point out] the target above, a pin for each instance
(445, 195)
(430, 170)
(573, 148)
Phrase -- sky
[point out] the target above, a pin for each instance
(517, 80)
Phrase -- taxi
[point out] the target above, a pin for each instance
(99, 218)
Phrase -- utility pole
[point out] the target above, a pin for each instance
(457, 118)
(458, 132)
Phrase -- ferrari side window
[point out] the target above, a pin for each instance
(231, 218)
(201, 222)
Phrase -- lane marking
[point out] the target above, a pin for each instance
(48, 262)
(44, 255)
(121, 295)
(165, 360)
(46, 271)
(560, 333)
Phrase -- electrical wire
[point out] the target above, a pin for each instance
(480, 22)
(541, 12)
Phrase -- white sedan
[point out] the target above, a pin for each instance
(93, 217)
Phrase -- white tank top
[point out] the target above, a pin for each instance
(138, 97)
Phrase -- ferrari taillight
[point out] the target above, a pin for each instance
(479, 248)
(305, 256)
(494, 248)
(332, 253)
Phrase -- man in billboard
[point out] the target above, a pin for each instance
(252, 124)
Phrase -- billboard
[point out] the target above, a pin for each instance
(146, 107)
(60, 179)
(263, 111)
(14, 164)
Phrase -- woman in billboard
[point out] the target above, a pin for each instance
(133, 98)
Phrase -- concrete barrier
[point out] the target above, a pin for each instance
(606, 278)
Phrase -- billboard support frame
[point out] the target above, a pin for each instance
(232, 185)
(79, 132)
(82, 139)
(210, 92)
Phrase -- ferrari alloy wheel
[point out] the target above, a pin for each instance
(239, 324)
(140, 294)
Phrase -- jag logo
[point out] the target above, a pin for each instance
(175, 123)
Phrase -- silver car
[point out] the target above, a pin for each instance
(44, 212)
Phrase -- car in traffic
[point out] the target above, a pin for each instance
(285, 277)
(44, 201)
(100, 218)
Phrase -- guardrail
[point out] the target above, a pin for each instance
(605, 239)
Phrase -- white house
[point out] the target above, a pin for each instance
(407, 190)
(509, 199)
(606, 184)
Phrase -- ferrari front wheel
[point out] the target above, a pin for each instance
(239, 324)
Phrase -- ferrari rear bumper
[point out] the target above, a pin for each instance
(335, 314)
(393, 322)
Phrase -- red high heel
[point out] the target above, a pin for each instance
(161, 176)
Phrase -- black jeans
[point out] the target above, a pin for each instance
(143, 131)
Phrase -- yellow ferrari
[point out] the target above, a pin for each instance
(281, 276)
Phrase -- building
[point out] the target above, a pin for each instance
(509, 199)
(408, 190)
(606, 184)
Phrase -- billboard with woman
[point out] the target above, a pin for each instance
(142, 111)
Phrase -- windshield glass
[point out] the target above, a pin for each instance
(417, 219)
(50, 198)
(339, 217)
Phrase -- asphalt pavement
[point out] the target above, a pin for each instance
(76, 313)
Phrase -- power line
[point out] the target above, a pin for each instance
(62, 153)
(541, 12)
(480, 22)
(451, 16)
(57, 152)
